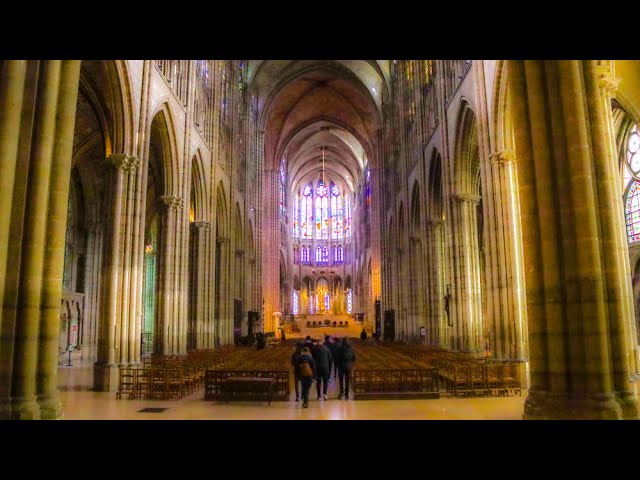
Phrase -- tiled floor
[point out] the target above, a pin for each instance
(81, 404)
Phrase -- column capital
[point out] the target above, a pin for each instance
(200, 224)
(608, 83)
(414, 240)
(435, 223)
(172, 201)
(503, 157)
(240, 253)
(223, 240)
(133, 163)
(466, 198)
(119, 160)
(252, 261)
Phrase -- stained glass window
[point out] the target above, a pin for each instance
(312, 308)
(325, 254)
(347, 217)
(336, 206)
(296, 213)
(632, 206)
(283, 183)
(349, 301)
(322, 211)
(318, 254)
(327, 301)
(339, 254)
(307, 212)
(633, 213)
(295, 303)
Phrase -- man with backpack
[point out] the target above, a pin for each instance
(307, 372)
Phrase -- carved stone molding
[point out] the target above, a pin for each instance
(503, 157)
(436, 223)
(608, 83)
(200, 225)
(125, 163)
(119, 160)
(134, 162)
(172, 202)
(466, 198)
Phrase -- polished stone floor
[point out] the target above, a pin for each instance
(79, 403)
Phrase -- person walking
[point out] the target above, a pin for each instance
(322, 357)
(295, 357)
(307, 369)
(347, 359)
(336, 348)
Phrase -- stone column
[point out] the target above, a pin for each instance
(127, 339)
(30, 287)
(92, 299)
(271, 248)
(466, 292)
(12, 88)
(13, 77)
(417, 289)
(106, 369)
(505, 294)
(199, 282)
(437, 324)
(56, 223)
(222, 322)
(578, 297)
(167, 307)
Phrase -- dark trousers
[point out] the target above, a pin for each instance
(306, 386)
(296, 383)
(322, 378)
(344, 372)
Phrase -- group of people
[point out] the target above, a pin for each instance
(313, 360)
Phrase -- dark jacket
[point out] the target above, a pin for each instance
(295, 360)
(336, 352)
(322, 356)
(347, 356)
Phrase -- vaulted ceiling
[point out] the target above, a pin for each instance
(307, 106)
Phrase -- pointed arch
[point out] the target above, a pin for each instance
(467, 157)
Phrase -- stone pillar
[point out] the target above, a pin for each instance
(12, 86)
(417, 288)
(89, 339)
(199, 282)
(222, 322)
(506, 315)
(167, 310)
(467, 299)
(126, 326)
(106, 369)
(56, 223)
(11, 94)
(578, 298)
(271, 248)
(437, 323)
(30, 287)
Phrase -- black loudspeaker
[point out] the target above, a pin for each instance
(378, 312)
(389, 325)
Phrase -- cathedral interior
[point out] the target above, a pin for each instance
(472, 226)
